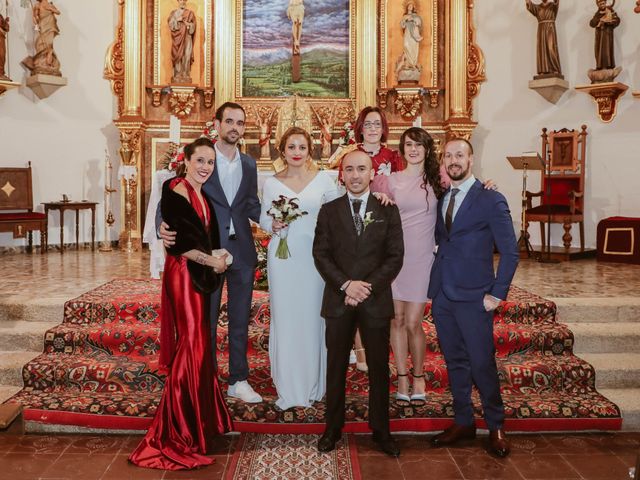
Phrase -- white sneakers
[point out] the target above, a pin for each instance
(244, 392)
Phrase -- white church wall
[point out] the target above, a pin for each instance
(65, 135)
(511, 116)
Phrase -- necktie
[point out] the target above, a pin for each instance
(448, 217)
(357, 219)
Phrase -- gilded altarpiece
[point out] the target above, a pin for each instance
(366, 56)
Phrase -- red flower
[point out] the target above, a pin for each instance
(258, 275)
(264, 243)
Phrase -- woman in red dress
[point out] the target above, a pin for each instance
(371, 131)
(192, 410)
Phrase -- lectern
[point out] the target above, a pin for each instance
(525, 162)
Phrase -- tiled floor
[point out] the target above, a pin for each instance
(579, 456)
(60, 277)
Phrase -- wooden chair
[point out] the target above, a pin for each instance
(16, 206)
(564, 154)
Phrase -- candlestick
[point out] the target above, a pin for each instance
(174, 129)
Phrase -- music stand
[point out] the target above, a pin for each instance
(525, 162)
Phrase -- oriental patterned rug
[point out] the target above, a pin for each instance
(260, 456)
(99, 369)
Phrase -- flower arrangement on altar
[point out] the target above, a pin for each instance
(174, 155)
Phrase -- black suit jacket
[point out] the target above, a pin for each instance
(374, 257)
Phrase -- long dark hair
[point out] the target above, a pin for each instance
(431, 175)
(189, 149)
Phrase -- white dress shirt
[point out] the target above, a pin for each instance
(363, 205)
(463, 188)
(230, 174)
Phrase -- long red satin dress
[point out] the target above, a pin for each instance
(192, 410)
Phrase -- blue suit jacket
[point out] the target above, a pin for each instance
(463, 268)
(245, 206)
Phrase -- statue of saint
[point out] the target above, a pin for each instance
(604, 21)
(408, 66)
(548, 59)
(44, 61)
(295, 12)
(4, 30)
(182, 23)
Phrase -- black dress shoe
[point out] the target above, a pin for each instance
(387, 444)
(498, 443)
(328, 440)
(453, 434)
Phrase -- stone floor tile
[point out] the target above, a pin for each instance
(544, 467)
(440, 467)
(121, 469)
(598, 467)
(79, 466)
(25, 466)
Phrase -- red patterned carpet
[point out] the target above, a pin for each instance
(99, 369)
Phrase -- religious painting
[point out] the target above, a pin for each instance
(182, 47)
(296, 47)
(409, 43)
(563, 151)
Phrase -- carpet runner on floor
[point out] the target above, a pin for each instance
(99, 369)
(292, 457)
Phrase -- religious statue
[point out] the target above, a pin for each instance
(45, 23)
(326, 119)
(4, 30)
(548, 59)
(295, 13)
(264, 118)
(407, 67)
(182, 23)
(604, 21)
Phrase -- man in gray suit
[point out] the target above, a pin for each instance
(233, 188)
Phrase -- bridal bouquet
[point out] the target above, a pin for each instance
(285, 210)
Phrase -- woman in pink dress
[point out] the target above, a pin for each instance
(415, 190)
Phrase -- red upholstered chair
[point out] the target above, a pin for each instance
(564, 150)
(16, 206)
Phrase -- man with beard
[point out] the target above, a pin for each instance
(233, 188)
(465, 291)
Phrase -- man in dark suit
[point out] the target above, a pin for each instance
(465, 291)
(358, 250)
(233, 188)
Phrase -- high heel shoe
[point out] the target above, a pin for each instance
(418, 399)
(362, 366)
(402, 399)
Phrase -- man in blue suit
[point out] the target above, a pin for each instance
(465, 291)
(233, 188)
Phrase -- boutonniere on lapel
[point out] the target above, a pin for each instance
(368, 219)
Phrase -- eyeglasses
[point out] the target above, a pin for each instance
(371, 125)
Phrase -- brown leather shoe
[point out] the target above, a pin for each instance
(498, 443)
(454, 434)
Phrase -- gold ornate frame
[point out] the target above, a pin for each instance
(141, 115)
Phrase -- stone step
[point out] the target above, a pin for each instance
(21, 335)
(580, 310)
(11, 364)
(8, 391)
(14, 308)
(604, 337)
(615, 370)
(628, 399)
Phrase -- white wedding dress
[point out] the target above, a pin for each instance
(297, 350)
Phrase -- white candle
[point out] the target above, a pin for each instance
(174, 129)
(107, 176)
(418, 122)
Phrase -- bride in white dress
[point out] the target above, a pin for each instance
(297, 350)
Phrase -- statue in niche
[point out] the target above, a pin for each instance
(604, 21)
(295, 13)
(326, 120)
(182, 23)
(264, 120)
(547, 57)
(4, 30)
(408, 68)
(45, 23)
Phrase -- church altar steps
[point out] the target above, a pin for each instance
(605, 337)
(627, 400)
(11, 366)
(615, 370)
(17, 308)
(605, 310)
(99, 370)
(8, 391)
(21, 335)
